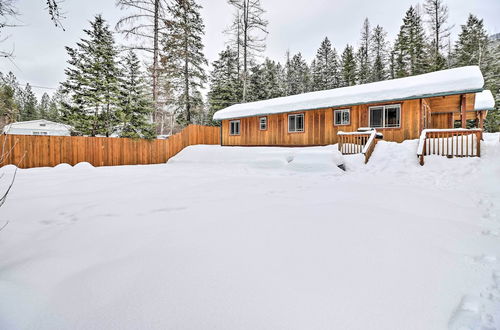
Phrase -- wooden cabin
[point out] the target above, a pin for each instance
(398, 108)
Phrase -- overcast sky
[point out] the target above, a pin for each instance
(297, 25)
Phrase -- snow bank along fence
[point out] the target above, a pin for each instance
(28, 151)
(457, 142)
(357, 142)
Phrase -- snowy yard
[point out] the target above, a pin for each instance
(256, 238)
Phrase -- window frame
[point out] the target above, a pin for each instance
(265, 123)
(384, 109)
(348, 110)
(239, 127)
(301, 114)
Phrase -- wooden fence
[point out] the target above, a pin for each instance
(458, 142)
(28, 151)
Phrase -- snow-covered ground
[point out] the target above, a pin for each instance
(256, 238)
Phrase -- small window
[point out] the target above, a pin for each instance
(234, 127)
(40, 133)
(296, 123)
(43, 124)
(342, 117)
(263, 123)
(386, 116)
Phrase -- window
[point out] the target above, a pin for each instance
(234, 127)
(43, 124)
(296, 123)
(263, 123)
(40, 133)
(342, 117)
(385, 116)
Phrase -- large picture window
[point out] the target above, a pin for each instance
(234, 127)
(342, 117)
(296, 123)
(385, 116)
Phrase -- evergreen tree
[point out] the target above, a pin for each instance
(183, 58)
(56, 103)
(325, 67)
(92, 82)
(362, 56)
(379, 54)
(437, 13)
(43, 107)
(410, 47)
(28, 105)
(8, 107)
(471, 47)
(256, 84)
(348, 67)
(492, 82)
(134, 106)
(225, 85)
(298, 75)
(271, 78)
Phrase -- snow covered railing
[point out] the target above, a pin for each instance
(357, 143)
(458, 142)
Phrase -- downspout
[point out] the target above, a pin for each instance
(221, 133)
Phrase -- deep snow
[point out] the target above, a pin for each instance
(256, 238)
(451, 81)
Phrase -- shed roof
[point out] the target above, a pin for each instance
(484, 101)
(466, 79)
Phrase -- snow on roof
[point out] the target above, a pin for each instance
(484, 101)
(453, 81)
(37, 124)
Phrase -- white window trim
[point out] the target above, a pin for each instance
(260, 123)
(383, 115)
(341, 110)
(303, 122)
(239, 127)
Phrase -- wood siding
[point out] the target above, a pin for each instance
(320, 130)
(28, 151)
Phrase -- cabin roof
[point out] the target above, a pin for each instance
(467, 79)
(484, 101)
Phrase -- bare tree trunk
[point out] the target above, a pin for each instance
(245, 48)
(155, 60)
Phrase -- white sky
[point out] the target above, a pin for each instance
(40, 57)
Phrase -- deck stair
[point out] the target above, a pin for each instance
(361, 142)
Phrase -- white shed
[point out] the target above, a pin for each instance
(38, 127)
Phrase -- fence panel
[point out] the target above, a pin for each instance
(28, 151)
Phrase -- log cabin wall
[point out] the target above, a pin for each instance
(319, 128)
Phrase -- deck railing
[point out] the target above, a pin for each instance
(357, 143)
(457, 142)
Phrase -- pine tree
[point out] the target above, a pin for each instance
(43, 107)
(471, 47)
(9, 109)
(379, 54)
(325, 67)
(92, 82)
(348, 67)
(183, 58)
(29, 105)
(57, 100)
(256, 84)
(271, 78)
(362, 56)
(225, 85)
(437, 13)
(134, 106)
(410, 47)
(298, 75)
(492, 82)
